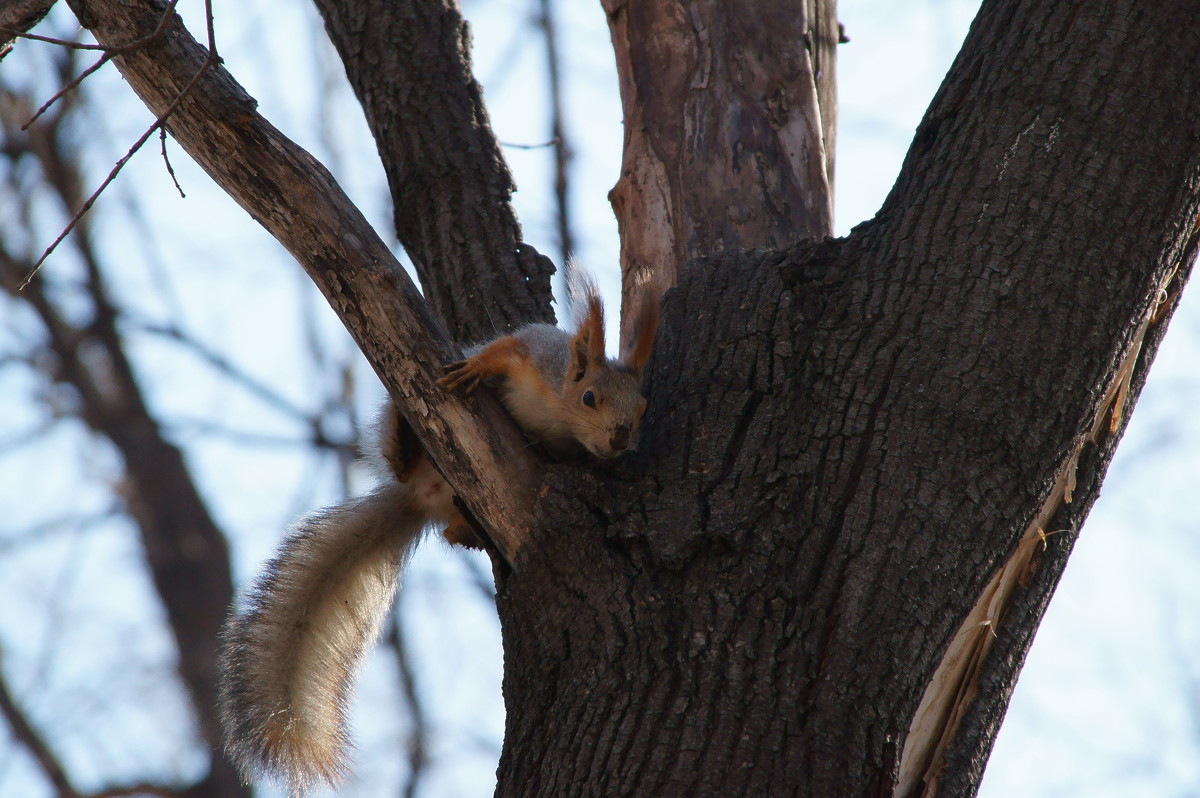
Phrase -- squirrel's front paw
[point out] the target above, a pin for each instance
(461, 375)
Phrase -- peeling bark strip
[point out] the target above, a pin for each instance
(955, 684)
(730, 116)
(474, 443)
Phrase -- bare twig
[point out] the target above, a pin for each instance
(24, 732)
(22, 729)
(109, 53)
(110, 50)
(19, 15)
(162, 138)
(222, 364)
(63, 524)
(104, 59)
(120, 164)
(70, 45)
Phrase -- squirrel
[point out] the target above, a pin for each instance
(288, 663)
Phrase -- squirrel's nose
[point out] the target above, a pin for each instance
(620, 438)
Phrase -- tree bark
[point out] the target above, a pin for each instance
(730, 115)
(450, 186)
(851, 447)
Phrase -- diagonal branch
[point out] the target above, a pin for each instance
(449, 183)
(22, 729)
(474, 443)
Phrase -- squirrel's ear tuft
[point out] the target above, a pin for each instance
(593, 324)
(579, 355)
(645, 325)
(587, 347)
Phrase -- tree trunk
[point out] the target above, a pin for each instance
(854, 450)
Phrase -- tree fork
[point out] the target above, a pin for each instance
(473, 442)
(409, 64)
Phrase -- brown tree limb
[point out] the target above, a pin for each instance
(729, 124)
(449, 183)
(473, 442)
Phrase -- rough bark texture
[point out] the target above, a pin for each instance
(730, 114)
(847, 441)
(450, 185)
(473, 442)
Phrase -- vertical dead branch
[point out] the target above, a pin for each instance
(729, 113)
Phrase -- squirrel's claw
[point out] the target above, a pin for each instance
(460, 375)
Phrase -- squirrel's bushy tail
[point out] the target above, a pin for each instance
(288, 661)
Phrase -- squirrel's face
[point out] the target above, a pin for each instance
(604, 410)
(603, 398)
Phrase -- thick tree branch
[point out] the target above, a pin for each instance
(474, 443)
(1077, 231)
(729, 124)
(857, 442)
(449, 183)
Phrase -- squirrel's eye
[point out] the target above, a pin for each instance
(589, 399)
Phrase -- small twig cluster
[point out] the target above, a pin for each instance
(110, 52)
